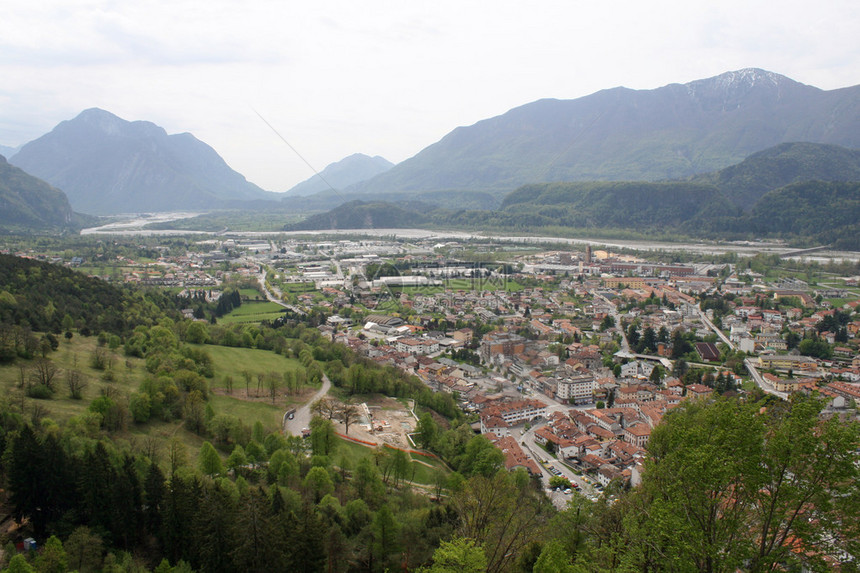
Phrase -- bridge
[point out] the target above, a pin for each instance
(800, 252)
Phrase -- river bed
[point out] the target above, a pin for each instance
(136, 223)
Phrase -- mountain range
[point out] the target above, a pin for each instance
(715, 148)
(7, 151)
(802, 192)
(349, 170)
(108, 165)
(670, 132)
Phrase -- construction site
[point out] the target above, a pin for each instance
(383, 421)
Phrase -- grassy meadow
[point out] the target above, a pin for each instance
(253, 312)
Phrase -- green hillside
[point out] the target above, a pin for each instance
(636, 204)
(52, 298)
(361, 215)
(28, 203)
(747, 182)
(802, 192)
(828, 211)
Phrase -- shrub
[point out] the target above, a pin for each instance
(40, 392)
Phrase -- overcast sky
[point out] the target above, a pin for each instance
(381, 78)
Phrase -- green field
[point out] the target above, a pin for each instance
(249, 411)
(298, 287)
(229, 361)
(483, 284)
(459, 284)
(250, 293)
(253, 312)
(840, 302)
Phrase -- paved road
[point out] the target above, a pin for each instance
(538, 453)
(302, 418)
(714, 328)
(748, 362)
(759, 379)
(625, 347)
(276, 296)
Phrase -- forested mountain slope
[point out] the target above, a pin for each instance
(42, 295)
(29, 203)
(747, 182)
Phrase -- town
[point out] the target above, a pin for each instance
(565, 359)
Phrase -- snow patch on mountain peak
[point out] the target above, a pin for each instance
(744, 79)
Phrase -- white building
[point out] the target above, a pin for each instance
(417, 346)
(578, 389)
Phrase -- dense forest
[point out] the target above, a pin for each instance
(728, 485)
(52, 298)
(745, 183)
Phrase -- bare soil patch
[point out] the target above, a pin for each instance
(392, 421)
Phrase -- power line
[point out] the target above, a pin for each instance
(282, 138)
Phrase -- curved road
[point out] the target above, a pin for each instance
(302, 419)
(749, 363)
(276, 296)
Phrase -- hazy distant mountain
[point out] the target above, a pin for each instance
(353, 169)
(29, 203)
(747, 182)
(7, 151)
(108, 165)
(621, 134)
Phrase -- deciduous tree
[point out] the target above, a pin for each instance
(460, 555)
(209, 460)
(347, 413)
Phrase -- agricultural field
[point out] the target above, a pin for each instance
(298, 287)
(459, 284)
(250, 294)
(253, 312)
